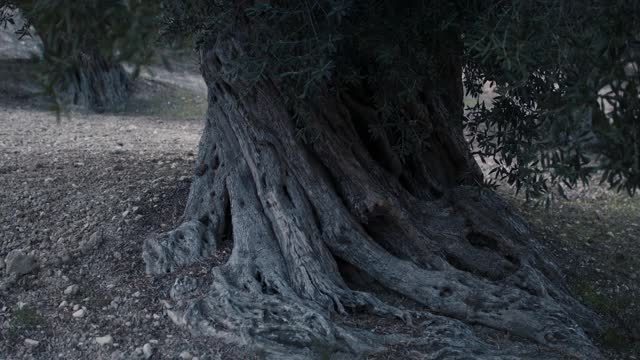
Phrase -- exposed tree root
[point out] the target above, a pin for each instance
(294, 211)
(283, 326)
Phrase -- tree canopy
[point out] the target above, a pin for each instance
(566, 73)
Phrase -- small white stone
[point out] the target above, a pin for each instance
(76, 307)
(31, 342)
(71, 290)
(185, 355)
(166, 304)
(136, 294)
(20, 263)
(176, 318)
(147, 350)
(104, 340)
(21, 305)
(63, 304)
(78, 314)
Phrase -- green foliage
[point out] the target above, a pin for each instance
(567, 106)
(76, 35)
(552, 62)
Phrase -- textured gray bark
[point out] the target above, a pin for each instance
(96, 84)
(295, 211)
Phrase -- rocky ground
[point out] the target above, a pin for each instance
(595, 239)
(78, 196)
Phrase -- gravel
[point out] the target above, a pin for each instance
(64, 187)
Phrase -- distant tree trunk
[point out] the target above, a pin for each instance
(91, 79)
(307, 219)
(97, 84)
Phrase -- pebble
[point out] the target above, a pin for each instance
(185, 355)
(147, 350)
(104, 340)
(31, 342)
(166, 304)
(176, 318)
(95, 240)
(76, 307)
(19, 263)
(63, 304)
(118, 355)
(78, 314)
(71, 290)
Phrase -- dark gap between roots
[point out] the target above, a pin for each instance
(381, 228)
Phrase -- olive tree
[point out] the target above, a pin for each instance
(336, 162)
(84, 45)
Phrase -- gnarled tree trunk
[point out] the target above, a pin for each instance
(304, 217)
(96, 83)
(80, 73)
(90, 80)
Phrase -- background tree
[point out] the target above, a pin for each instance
(84, 46)
(334, 160)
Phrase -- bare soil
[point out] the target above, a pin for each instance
(80, 195)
